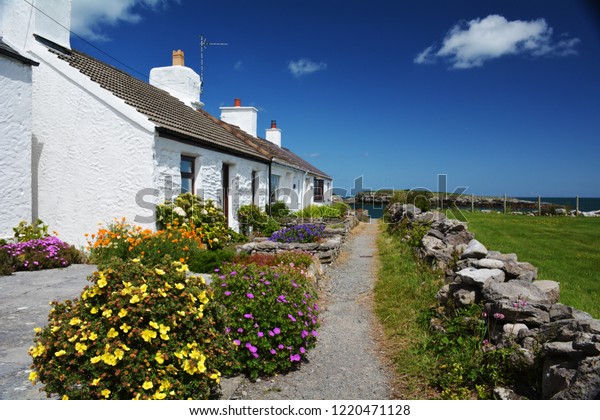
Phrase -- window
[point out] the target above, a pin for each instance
(319, 190)
(274, 187)
(187, 174)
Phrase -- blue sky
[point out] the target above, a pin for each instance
(502, 96)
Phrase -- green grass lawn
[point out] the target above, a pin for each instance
(564, 249)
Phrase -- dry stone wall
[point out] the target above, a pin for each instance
(326, 251)
(562, 340)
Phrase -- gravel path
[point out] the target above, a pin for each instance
(346, 363)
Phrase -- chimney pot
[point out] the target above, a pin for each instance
(237, 102)
(273, 124)
(178, 58)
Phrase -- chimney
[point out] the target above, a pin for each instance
(178, 58)
(244, 117)
(273, 134)
(20, 20)
(179, 81)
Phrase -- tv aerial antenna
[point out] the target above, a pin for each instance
(204, 43)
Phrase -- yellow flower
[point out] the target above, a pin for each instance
(159, 358)
(75, 321)
(154, 324)
(94, 310)
(203, 298)
(125, 328)
(32, 376)
(109, 359)
(37, 329)
(95, 382)
(162, 293)
(159, 395)
(124, 347)
(107, 313)
(65, 397)
(102, 280)
(183, 268)
(72, 339)
(122, 313)
(159, 271)
(93, 336)
(147, 385)
(134, 299)
(216, 377)
(136, 260)
(179, 286)
(112, 333)
(148, 335)
(119, 354)
(60, 353)
(80, 347)
(143, 288)
(168, 286)
(105, 393)
(55, 328)
(181, 313)
(95, 359)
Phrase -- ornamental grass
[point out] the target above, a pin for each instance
(138, 332)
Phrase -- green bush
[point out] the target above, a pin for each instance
(251, 219)
(6, 262)
(190, 210)
(137, 332)
(277, 210)
(25, 232)
(343, 208)
(420, 198)
(319, 212)
(207, 261)
(270, 227)
(272, 313)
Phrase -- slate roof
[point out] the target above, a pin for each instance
(172, 115)
(164, 110)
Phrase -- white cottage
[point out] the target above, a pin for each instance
(95, 143)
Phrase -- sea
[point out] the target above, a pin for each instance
(585, 204)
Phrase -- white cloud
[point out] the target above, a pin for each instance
(88, 15)
(238, 66)
(314, 155)
(472, 43)
(305, 66)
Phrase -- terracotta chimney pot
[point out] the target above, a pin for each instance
(178, 58)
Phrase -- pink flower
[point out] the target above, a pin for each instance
(248, 316)
(260, 334)
(249, 295)
(304, 333)
(273, 351)
(291, 317)
(276, 330)
(295, 357)
(498, 315)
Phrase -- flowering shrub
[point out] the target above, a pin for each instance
(299, 234)
(272, 313)
(39, 254)
(300, 260)
(136, 333)
(124, 241)
(25, 232)
(190, 209)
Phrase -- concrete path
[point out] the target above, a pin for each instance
(24, 305)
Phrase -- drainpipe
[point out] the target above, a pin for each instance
(270, 185)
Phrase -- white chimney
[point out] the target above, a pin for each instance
(244, 117)
(20, 20)
(180, 81)
(273, 134)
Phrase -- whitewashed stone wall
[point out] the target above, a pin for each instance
(209, 175)
(15, 144)
(92, 152)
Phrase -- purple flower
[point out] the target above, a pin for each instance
(281, 347)
(271, 333)
(302, 350)
(237, 342)
(233, 273)
(295, 357)
(484, 314)
(314, 333)
(249, 295)
(227, 330)
(260, 334)
(240, 330)
(304, 333)
(255, 355)
(498, 315)
(227, 293)
(276, 330)
(291, 317)
(248, 316)
(273, 351)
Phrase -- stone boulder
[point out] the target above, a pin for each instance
(475, 249)
(550, 287)
(481, 276)
(520, 270)
(584, 384)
